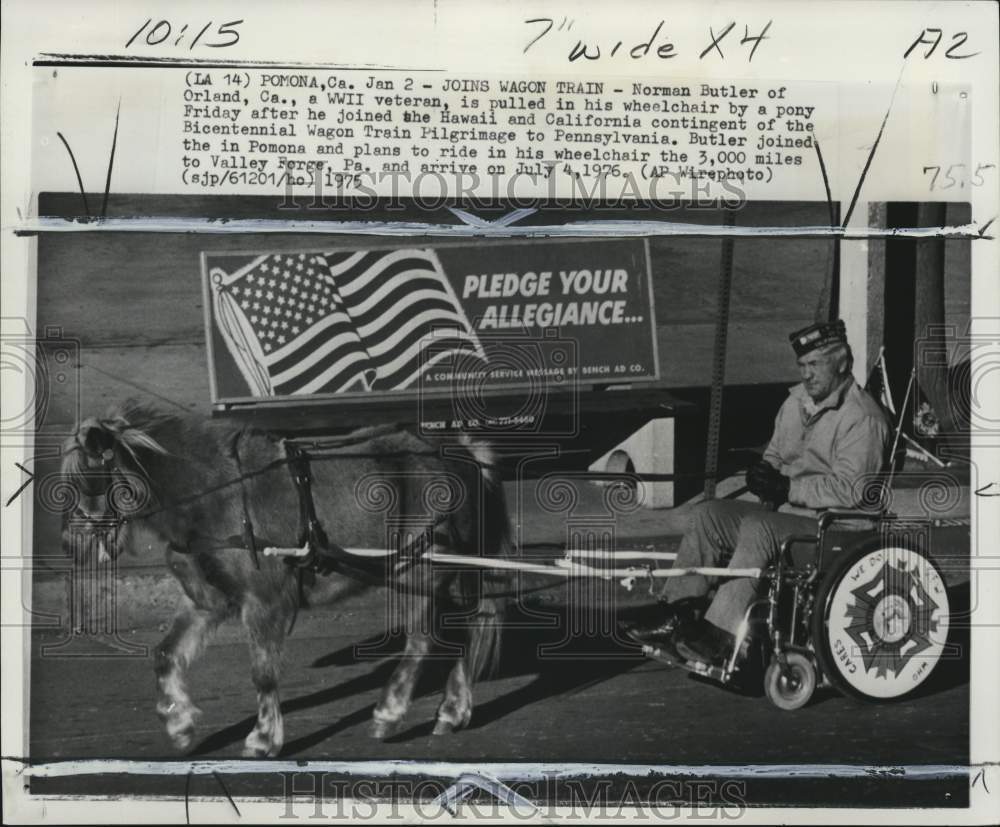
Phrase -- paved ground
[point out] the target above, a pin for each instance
(557, 698)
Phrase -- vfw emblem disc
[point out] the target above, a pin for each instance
(888, 622)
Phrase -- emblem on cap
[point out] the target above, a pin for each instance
(818, 335)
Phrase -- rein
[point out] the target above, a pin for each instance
(281, 462)
(322, 554)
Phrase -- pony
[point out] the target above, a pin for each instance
(213, 496)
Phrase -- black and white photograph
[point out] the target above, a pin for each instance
(410, 444)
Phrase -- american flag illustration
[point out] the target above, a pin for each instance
(403, 306)
(306, 323)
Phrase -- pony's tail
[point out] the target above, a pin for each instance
(482, 657)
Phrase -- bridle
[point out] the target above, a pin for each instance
(126, 495)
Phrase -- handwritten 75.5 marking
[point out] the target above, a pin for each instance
(961, 170)
(163, 31)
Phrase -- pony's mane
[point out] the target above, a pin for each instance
(140, 422)
(74, 463)
(130, 425)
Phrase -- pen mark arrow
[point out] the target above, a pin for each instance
(504, 220)
(24, 485)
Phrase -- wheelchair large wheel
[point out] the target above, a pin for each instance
(880, 620)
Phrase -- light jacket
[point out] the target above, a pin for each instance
(829, 449)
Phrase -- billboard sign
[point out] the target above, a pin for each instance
(364, 322)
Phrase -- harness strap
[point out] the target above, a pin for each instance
(324, 556)
(310, 530)
(249, 540)
(358, 437)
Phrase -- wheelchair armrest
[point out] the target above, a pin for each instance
(785, 552)
(829, 516)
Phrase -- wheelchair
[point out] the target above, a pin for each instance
(865, 611)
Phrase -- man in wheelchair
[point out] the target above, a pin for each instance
(829, 436)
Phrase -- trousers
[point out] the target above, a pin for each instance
(751, 534)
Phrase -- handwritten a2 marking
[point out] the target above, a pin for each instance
(958, 39)
(164, 32)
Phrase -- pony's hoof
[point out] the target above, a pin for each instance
(380, 730)
(445, 727)
(257, 746)
(260, 751)
(182, 739)
(180, 724)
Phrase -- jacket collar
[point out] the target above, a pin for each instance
(834, 400)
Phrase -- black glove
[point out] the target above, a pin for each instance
(764, 480)
(758, 473)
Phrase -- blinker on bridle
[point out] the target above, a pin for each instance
(106, 457)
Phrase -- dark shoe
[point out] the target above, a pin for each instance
(673, 616)
(704, 643)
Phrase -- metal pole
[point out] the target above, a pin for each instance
(719, 359)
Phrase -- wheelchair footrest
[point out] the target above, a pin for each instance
(665, 653)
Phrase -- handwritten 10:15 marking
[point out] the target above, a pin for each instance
(163, 32)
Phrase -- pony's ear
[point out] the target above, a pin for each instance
(121, 419)
(133, 438)
(115, 424)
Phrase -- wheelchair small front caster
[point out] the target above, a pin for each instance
(790, 685)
